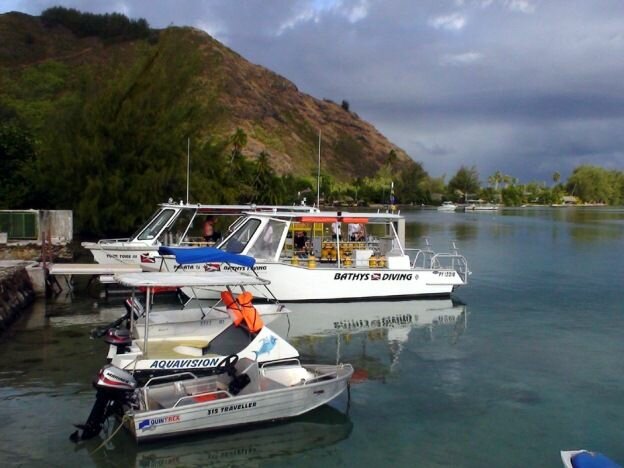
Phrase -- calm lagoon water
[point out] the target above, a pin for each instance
(526, 360)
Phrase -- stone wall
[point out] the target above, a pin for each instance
(16, 292)
(32, 252)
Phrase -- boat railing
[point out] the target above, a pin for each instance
(325, 376)
(195, 396)
(452, 261)
(113, 241)
(169, 377)
(280, 362)
(422, 257)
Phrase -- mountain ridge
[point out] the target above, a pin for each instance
(275, 116)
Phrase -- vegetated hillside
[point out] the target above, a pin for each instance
(95, 112)
(275, 116)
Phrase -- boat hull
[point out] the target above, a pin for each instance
(122, 252)
(241, 410)
(292, 283)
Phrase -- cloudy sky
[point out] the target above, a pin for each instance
(527, 87)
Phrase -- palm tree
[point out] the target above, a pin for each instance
(392, 158)
(495, 179)
(556, 177)
(238, 141)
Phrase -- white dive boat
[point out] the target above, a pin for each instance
(172, 224)
(586, 459)
(262, 382)
(284, 244)
(164, 346)
(447, 206)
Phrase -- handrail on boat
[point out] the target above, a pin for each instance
(169, 376)
(422, 259)
(458, 263)
(296, 361)
(322, 376)
(227, 394)
(112, 241)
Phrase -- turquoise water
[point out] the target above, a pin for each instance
(527, 361)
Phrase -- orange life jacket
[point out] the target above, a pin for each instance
(250, 313)
(233, 307)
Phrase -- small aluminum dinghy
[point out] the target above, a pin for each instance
(245, 392)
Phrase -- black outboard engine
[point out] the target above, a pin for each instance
(133, 307)
(119, 337)
(115, 387)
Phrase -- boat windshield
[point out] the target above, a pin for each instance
(268, 244)
(156, 225)
(237, 242)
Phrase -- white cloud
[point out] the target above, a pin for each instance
(522, 6)
(303, 16)
(214, 28)
(461, 59)
(453, 22)
(357, 12)
(313, 10)
(122, 7)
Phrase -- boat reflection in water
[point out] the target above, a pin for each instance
(363, 333)
(320, 428)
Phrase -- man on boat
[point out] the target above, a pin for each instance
(209, 233)
(336, 227)
(302, 245)
(356, 232)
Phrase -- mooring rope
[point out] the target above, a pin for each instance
(108, 439)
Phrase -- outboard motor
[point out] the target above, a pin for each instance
(133, 307)
(119, 337)
(115, 387)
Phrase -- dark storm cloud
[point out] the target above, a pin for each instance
(523, 86)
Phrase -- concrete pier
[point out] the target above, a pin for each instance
(16, 292)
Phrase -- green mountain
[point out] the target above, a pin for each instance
(96, 111)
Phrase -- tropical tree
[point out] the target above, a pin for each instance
(16, 155)
(465, 181)
(392, 158)
(495, 179)
(556, 177)
(267, 187)
(592, 184)
(238, 140)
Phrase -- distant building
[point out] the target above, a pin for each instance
(29, 226)
(570, 200)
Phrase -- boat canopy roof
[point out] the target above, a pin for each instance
(182, 279)
(330, 217)
(188, 255)
(239, 209)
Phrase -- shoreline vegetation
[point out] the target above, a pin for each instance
(111, 147)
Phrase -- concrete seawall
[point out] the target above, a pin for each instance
(16, 292)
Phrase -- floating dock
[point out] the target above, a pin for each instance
(62, 273)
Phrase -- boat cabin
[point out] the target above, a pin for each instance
(332, 238)
(183, 224)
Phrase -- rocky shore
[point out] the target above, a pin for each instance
(16, 292)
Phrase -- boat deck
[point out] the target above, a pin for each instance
(230, 341)
(70, 269)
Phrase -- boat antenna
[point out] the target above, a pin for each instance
(188, 167)
(318, 174)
